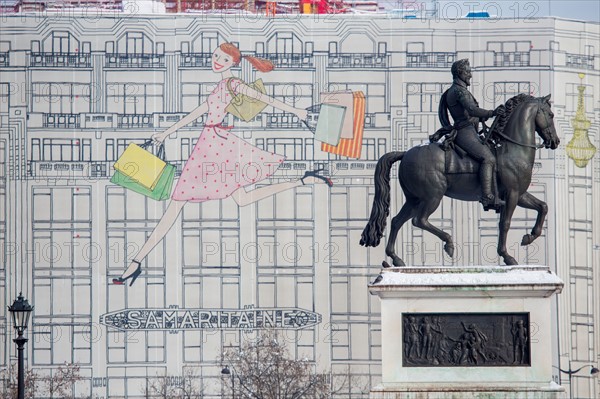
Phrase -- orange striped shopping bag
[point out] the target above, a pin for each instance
(351, 147)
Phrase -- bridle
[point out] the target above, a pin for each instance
(546, 132)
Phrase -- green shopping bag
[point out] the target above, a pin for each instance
(162, 189)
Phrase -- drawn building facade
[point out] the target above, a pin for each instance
(74, 92)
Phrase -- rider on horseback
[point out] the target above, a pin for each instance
(466, 114)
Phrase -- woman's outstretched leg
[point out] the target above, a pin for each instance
(159, 232)
(243, 197)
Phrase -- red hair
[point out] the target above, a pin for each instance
(259, 64)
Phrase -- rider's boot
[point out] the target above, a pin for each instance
(488, 199)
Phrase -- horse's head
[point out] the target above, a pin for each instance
(544, 123)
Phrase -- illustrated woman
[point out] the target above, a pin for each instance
(221, 164)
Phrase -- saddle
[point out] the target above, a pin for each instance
(457, 159)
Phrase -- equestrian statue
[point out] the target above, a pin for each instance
(493, 166)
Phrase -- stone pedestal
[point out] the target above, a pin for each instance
(461, 326)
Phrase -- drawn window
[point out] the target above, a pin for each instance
(506, 90)
(424, 97)
(61, 98)
(209, 42)
(64, 149)
(35, 46)
(352, 206)
(369, 149)
(193, 94)
(295, 94)
(309, 47)
(61, 42)
(134, 43)
(186, 148)
(69, 342)
(259, 48)
(110, 150)
(134, 98)
(374, 94)
(160, 48)
(333, 47)
(185, 47)
(61, 280)
(284, 43)
(291, 148)
(510, 53)
(206, 42)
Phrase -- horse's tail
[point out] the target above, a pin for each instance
(373, 232)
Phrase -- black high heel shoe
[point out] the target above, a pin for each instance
(315, 174)
(133, 276)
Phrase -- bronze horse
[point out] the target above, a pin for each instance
(424, 180)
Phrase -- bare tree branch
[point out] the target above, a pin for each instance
(188, 386)
(264, 369)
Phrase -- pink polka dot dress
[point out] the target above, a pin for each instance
(221, 162)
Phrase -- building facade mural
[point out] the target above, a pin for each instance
(74, 92)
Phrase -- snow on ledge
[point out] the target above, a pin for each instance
(482, 277)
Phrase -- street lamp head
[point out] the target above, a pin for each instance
(226, 371)
(594, 371)
(20, 311)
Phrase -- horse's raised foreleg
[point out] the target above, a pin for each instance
(426, 208)
(530, 202)
(505, 218)
(408, 211)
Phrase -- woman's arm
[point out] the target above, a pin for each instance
(257, 95)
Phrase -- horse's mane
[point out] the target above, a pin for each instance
(510, 106)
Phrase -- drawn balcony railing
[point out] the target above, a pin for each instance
(512, 59)
(91, 169)
(358, 60)
(430, 60)
(53, 169)
(170, 118)
(293, 60)
(4, 59)
(196, 60)
(124, 60)
(280, 121)
(52, 59)
(580, 61)
(105, 169)
(291, 165)
(127, 121)
(65, 121)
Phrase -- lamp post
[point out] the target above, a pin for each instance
(570, 372)
(226, 371)
(20, 311)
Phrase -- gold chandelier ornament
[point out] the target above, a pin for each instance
(580, 149)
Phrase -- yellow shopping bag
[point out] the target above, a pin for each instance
(140, 165)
